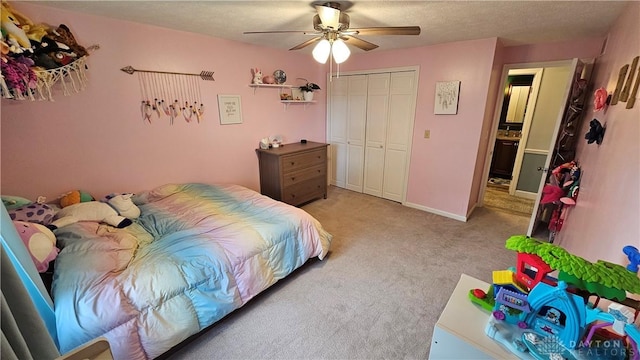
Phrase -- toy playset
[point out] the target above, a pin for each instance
(538, 316)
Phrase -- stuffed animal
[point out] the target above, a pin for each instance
(33, 213)
(257, 76)
(118, 212)
(40, 242)
(63, 35)
(11, 26)
(74, 197)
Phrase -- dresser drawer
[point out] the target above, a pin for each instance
(304, 191)
(295, 177)
(295, 162)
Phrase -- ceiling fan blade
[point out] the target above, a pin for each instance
(364, 45)
(329, 16)
(306, 43)
(389, 30)
(276, 32)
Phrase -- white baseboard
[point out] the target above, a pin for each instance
(526, 194)
(437, 212)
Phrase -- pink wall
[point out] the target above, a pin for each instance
(489, 115)
(96, 140)
(606, 215)
(442, 167)
(582, 49)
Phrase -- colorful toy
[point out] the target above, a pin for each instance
(118, 212)
(550, 318)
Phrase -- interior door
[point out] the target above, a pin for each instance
(376, 133)
(566, 118)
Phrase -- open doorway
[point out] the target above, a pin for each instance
(519, 99)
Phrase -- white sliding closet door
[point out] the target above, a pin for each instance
(357, 115)
(338, 119)
(376, 133)
(370, 127)
(402, 96)
(348, 115)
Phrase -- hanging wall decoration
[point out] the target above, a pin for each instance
(446, 101)
(170, 94)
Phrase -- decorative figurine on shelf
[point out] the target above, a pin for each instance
(268, 79)
(257, 76)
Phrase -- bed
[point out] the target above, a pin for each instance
(196, 253)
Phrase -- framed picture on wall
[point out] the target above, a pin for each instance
(230, 108)
(447, 93)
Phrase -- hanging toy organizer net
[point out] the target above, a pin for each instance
(72, 78)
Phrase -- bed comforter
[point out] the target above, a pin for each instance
(196, 253)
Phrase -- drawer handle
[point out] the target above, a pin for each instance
(293, 163)
(293, 195)
(319, 171)
(293, 178)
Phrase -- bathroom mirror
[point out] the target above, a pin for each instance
(516, 95)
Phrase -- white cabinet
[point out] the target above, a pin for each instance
(370, 125)
(460, 330)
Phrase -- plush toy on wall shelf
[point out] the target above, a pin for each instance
(257, 76)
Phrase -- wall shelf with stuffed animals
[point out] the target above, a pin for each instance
(37, 59)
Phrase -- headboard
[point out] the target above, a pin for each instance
(19, 256)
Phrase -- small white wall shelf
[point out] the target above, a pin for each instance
(288, 102)
(275, 86)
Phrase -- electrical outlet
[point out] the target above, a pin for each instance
(427, 134)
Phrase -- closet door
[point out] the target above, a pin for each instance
(376, 133)
(402, 98)
(356, 122)
(338, 113)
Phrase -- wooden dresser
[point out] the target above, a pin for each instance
(294, 173)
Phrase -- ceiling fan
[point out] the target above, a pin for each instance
(332, 31)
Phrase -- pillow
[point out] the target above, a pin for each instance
(35, 213)
(40, 241)
(13, 202)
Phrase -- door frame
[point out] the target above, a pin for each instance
(416, 70)
(496, 121)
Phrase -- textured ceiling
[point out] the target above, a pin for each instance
(515, 22)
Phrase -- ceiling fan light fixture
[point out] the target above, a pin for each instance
(340, 51)
(329, 16)
(321, 51)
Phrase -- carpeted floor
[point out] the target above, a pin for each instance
(378, 294)
(497, 197)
